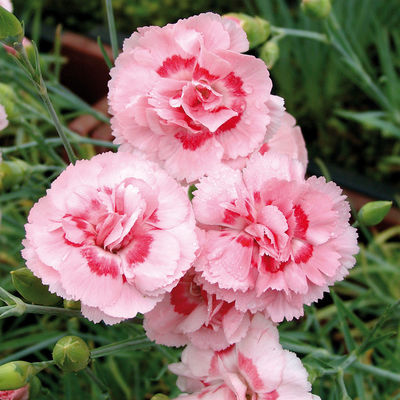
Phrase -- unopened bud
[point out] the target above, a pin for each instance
(8, 99)
(374, 212)
(32, 288)
(269, 53)
(257, 29)
(316, 8)
(160, 396)
(12, 173)
(16, 374)
(71, 354)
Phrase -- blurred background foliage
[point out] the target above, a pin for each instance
(350, 341)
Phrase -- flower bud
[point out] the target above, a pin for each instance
(8, 99)
(17, 394)
(257, 29)
(269, 53)
(316, 8)
(10, 28)
(374, 212)
(32, 288)
(71, 354)
(160, 396)
(16, 374)
(12, 173)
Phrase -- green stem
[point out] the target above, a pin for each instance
(340, 42)
(41, 87)
(376, 371)
(128, 344)
(112, 29)
(57, 142)
(282, 32)
(35, 309)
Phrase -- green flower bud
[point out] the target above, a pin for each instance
(269, 53)
(257, 29)
(12, 173)
(374, 212)
(35, 386)
(16, 374)
(8, 99)
(160, 396)
(10, 28)
(32, 288)
(72, 305)
(71, 354)
(316, 8)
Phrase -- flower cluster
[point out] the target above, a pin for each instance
(258, 241)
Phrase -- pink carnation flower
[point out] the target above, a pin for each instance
(190, 315)
(255, 368)
(185, 96)
(3, 118)
(17, 394)
(114, 232)
(7, 5)
(274, 240)
(287, 139)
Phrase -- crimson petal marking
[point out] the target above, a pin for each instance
(302, 251)
(140, 250)
(101, 262)
(173, 65)
(186, 296)
(249, 370)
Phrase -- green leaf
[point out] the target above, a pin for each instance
(11, 30)
(372, 119)
(341, 310)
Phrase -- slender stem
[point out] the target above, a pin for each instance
(340, 42)
(376, 371)
(34, 309)
(57, 142)
(112, 29)
(128, 344)
(41, 87)
(282, 32)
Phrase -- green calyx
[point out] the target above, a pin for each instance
(269, 53)
(316, 8)
(257, 29)
(17, 374)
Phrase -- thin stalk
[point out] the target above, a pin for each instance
(35, 309)
(376, 371)
(41, 87)
(282, 32)
(128, 344)
(112, 29)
